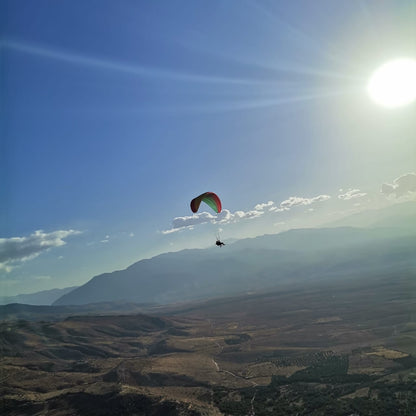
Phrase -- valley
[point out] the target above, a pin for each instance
(314, 348)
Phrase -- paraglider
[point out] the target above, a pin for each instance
(214, 202)
(211, 199)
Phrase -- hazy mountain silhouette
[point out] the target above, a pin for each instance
(255, 264)
(45, 297)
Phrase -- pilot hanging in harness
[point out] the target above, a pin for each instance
(213, 201)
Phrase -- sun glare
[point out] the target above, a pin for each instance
(394, 83)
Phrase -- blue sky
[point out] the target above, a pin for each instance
(116, 114)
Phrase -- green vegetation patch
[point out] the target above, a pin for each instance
(328, 369)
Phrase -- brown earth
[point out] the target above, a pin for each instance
(171, 364)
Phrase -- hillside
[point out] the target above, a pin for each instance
(15, 311)
(252, 265)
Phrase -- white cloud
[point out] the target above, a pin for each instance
(19, 249)
(260, 207)
(277, 209)
(227, 217)
(401, 185)
(171, 230)
(351, 194)
(180, 223)
(202, 218)
(239, 215)
(224, 217)
(296, 200)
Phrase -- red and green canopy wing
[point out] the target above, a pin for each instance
(210, 199)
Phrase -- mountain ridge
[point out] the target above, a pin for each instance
(43, 297)
(250, 265)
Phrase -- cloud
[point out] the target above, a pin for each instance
(351, 194)
(180, 223)
(106, 239)
(227, 217)
(19, 249)
(239, 215)
(260, 207)
(277, 209)
(224, 217)
(296, 200)
(401, 185)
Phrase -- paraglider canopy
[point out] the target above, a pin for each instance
(211, 199)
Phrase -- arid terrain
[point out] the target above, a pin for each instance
(317, 349)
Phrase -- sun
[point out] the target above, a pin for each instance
(393, 84)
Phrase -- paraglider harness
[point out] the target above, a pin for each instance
(219, 243)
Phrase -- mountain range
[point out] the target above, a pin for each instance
(262, 263)
(44, 297)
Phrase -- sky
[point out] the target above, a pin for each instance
(115, 114)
